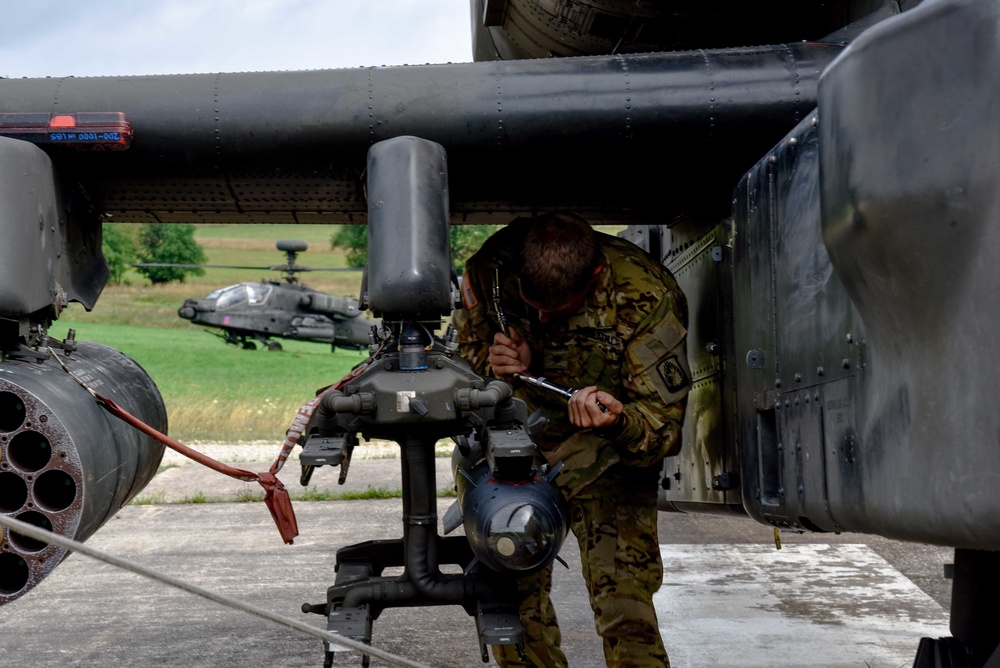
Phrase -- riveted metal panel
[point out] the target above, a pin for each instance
(843, 453)
(704, 473)
(796, 332)
(802, 445)
(755, 342)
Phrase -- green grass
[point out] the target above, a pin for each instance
(312, 494)
(217, 392)
(155, 499)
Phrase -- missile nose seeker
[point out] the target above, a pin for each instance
(513, 526)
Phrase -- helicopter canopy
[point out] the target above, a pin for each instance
(243, 293)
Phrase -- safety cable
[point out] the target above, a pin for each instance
(45, 536)
(275, 495)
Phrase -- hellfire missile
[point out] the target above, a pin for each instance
(515, 522)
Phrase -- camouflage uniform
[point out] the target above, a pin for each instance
(628, 339)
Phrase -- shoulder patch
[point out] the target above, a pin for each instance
(658, 361)
(468, 294)
(673, 374)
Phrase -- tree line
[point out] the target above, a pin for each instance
(465, 240)
(174, 243)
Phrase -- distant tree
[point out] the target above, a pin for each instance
(465, 240)
(353, 239)
(120, 249)
(169, 243)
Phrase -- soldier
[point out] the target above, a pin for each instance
(584, 309)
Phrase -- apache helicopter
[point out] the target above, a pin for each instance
(249, 312)
(820, 176)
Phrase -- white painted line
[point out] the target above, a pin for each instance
(803, 605)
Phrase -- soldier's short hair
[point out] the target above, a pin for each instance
(559, 254)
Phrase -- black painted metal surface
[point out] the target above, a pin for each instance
(799, 348)
(865, 254)
(910, 159)
(408, 241)
(50, 251)
(618, 138)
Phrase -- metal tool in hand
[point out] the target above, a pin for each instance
(545, 384)
(497, 304)
(535, 381)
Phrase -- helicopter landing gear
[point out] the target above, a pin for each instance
(239, 340)
(246, 343)
(975, 641)
(268, 343)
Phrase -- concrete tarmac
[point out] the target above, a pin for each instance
(729, 598)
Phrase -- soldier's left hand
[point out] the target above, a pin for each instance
(585, 413)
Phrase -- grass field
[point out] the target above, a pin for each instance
(217, 392)
(214, 391)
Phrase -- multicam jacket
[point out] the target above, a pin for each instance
(628, 339)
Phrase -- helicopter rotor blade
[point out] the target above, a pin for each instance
(195, 266)
(298, 268)
(283, 268)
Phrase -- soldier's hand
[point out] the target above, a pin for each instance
(509, 354)
(585, 413)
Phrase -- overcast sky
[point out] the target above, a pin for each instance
(116, 37)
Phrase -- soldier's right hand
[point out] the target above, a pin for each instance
(509, 355)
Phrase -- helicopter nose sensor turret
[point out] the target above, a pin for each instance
(187, 311)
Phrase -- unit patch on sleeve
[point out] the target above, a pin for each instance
(468, 295)
(672, 373)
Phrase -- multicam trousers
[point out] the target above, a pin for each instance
(614, 520)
